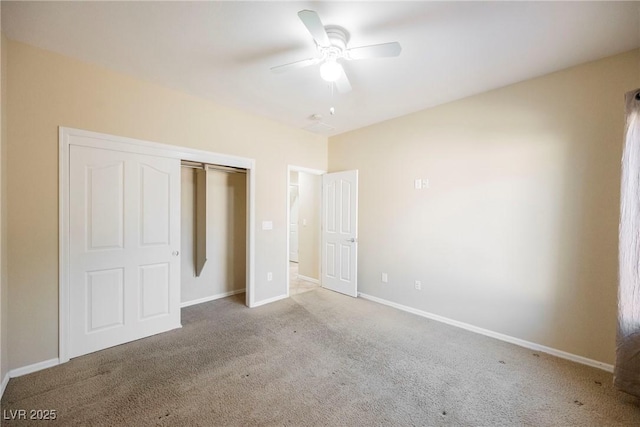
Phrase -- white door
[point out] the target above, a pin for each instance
(340, 232)
(294, 199)
(124, 237)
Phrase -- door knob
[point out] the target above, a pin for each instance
(175, 253)
(351, 240)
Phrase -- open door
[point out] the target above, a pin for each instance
(340, 232)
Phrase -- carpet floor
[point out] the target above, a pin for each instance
(315, 359)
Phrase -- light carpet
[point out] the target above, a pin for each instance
(320, 358)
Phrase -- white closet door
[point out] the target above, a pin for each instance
(124, 234)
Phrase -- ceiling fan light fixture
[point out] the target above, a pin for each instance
(330, 71)
(332, 44)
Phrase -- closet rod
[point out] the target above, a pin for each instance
(198, 165)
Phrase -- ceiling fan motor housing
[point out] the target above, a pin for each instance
(338, 37)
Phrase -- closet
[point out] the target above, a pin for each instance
(213, 232)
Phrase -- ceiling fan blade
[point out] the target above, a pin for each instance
(312, 21)
(342, 84)
(384, 50)
(295, 65)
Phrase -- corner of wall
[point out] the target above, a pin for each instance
(524, 196)
(4, 361)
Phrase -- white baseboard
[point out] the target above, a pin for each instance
(211, 298)
(308, 279)
(18, 372)
(3, 384)
(492, 334)
(268, 301)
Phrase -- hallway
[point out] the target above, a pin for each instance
(297, 285)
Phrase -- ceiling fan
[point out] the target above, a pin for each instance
(331, 42)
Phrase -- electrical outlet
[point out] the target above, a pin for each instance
(418, 285)
(269, 276)
(384, 277)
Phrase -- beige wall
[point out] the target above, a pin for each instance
(47, 90)
(309, 187)
(4, 306)
(518, 230)
(224, 270)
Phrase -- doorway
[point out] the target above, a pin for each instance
(213, 232)
(303, 226)
(327, 230)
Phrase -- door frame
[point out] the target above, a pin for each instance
(297, 187)
(130, 145)
(318, 172)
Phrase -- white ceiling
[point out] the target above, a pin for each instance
(223, 50)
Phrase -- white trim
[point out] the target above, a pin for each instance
(287, 281)
(309, 279)
(307, 170)
(270, 300)
(18, 372)
(114, 142)
(211, 298)
(502, 337)
(291, 168)
(105, 141)
(3, 384)
(63, 250)
(251, 235)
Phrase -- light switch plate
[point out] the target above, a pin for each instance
(419, 184)
(267, 225)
